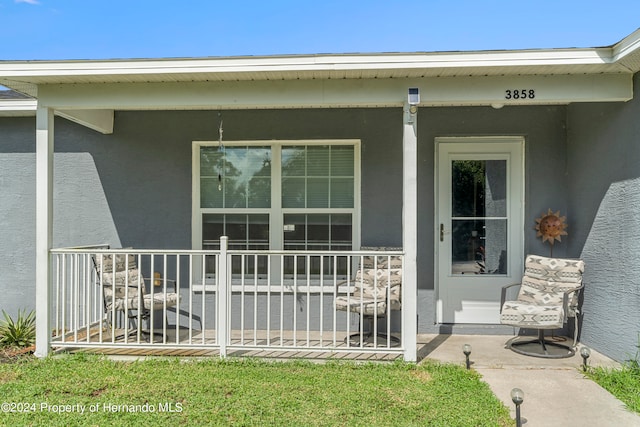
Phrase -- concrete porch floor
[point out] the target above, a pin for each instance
(556, 393)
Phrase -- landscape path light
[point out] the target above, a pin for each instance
(585, 352)
(466, 349)
(517, 395)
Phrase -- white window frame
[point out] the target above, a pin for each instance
(276, 212)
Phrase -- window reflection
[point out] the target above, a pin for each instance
(479, 223)
(235, 177)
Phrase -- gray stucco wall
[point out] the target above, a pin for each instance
(145, 166)
(80, 209)
(17, 213)
(604, 196)
(17, 220)
(133, 188)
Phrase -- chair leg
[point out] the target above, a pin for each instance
(540, 347)
(123, 321)
(150, 333)
(131, 319)
(360, 339)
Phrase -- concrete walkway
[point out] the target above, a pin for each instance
(555, 391)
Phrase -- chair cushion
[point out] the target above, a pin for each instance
(377, 285)
(104, 263)
(537, 316)
(129, 278)
(129, 284)
(559, 270)
(547, 279)
(132, 302)
(365, 305)
(371, 298)
(381, 261)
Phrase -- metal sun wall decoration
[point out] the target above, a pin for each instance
(551, 227)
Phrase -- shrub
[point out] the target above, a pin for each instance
(18, 333)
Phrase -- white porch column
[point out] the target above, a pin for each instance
(410, 233)
(222, 297)
(44, 225)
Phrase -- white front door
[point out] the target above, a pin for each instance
(479, 225)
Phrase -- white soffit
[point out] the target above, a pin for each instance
(627, 52)
(341, 93)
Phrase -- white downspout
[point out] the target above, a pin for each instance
(410, 232)
(44, 226)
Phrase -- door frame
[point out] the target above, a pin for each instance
(516, 239)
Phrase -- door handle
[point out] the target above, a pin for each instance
(442, 232)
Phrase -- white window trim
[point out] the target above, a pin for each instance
(276, 212)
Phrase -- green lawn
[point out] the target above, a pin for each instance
(244, 392)
(623, 383)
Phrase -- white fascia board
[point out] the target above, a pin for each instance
(626, 46)
(18, 107)
(98, 120)
(461, 91)
(304, 63)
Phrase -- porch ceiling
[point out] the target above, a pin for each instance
(623, 57)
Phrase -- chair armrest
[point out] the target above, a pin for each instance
(172, 283)
(349, 284)
(503, 294)
(130, 285)
(160, 282)
(565, 299)
(344, 282)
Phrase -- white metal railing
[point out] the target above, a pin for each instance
(218, 300)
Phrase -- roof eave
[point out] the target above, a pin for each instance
(623, 57)
(443, 60)
(18, 107)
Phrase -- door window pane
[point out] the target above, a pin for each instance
(479, 246)
(479, 224)
(479, 188)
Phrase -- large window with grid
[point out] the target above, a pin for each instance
(293, 195)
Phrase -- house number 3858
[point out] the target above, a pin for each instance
(519, 94)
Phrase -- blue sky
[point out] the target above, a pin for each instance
(107, 29)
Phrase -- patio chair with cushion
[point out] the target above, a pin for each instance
(548, 296)
(124, 292)
(376, 291)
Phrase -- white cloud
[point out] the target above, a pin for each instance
(28, 1)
